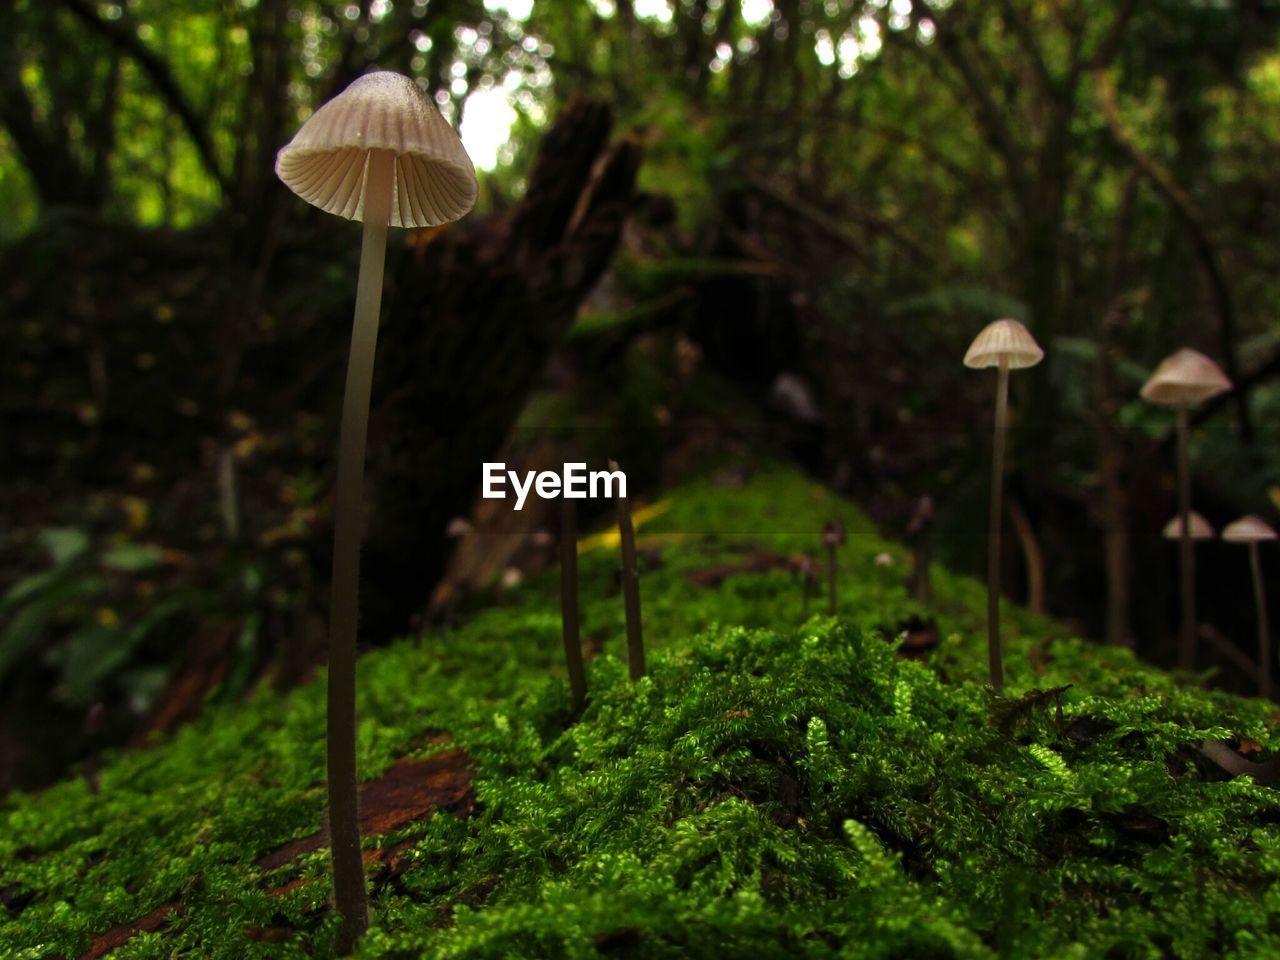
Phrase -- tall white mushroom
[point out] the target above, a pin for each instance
(1006, 345)
(381, 153)
(1183, 380)
(1252, 531)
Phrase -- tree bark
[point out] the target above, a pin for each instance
(473, 313)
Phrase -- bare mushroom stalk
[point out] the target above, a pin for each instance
(920, 531)
(1264, 627)
(883, 562)
(1186, 530)
(1181, 381)
(569, 602)
(1186, 555)
(1252, 531)
(1005, 345)
(995, 655)
(831, 579)
(349, 891)
(807, 578)
(381, 153)
(630, 586)
(833, 536)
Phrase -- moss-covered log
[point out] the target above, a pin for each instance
(769, 789)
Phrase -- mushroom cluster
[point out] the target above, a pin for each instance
(1250, 532)
(1182, 381)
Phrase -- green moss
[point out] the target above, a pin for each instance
(771, 789)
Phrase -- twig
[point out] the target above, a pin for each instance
(630, 585)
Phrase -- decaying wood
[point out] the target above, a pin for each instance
(473, 317)
(157, 919)
(409, 790)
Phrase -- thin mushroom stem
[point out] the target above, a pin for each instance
(569, 602)
(630, 586)
(1264, 627)
(806, 576)
(350, 894)
(995, 658)
(831, 579)
(1186, 555)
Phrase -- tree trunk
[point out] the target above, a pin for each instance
(472, 318)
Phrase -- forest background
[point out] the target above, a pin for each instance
(710, 231)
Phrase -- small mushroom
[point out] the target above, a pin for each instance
(1183, 380)
(380, 153)
(1252, 531)
(1201, 529)
(1006, 345)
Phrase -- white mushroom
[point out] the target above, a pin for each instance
(1181, 381)
(380, 153)
(1006, 345)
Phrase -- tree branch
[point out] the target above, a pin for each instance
(124, 36)
(1026, 36)
(1110, 43)
(1194, 221)
(57, 174)
(834, 228)
(991, 118)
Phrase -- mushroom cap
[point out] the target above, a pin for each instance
(325, 161)
(1248, 529)
(1186, 378)
(1003, 340)
(1200, 528)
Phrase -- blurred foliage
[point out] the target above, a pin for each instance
(845, 189)
(89, 614)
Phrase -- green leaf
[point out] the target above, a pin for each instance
(25, 627)
(132, 557)
(96, 653)
(29, 588)
(63, 543)
(91, 655)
